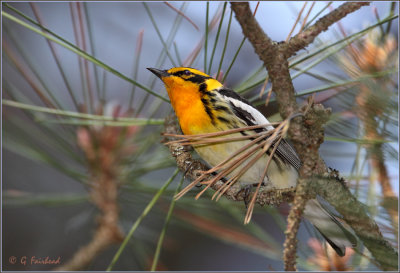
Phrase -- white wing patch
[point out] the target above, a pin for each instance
(256, 117)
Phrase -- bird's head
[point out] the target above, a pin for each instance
(183, 81)
(189, 91)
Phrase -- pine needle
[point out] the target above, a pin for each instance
(238, 162)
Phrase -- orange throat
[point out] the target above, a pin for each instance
(189, 109)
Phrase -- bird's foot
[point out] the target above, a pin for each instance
(245, 192)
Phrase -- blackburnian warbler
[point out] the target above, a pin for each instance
(203, 105)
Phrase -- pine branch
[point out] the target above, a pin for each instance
(311, 137)
(302, 129)
(334, 190)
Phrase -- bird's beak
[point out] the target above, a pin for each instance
(159, 73)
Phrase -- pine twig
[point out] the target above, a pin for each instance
(306, 37)
(105, 149)
(368, 111)
(104, 194)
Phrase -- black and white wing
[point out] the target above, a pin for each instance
(251, 116)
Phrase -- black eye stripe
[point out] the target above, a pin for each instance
(182, 72)
(195, 78)
(179, 73)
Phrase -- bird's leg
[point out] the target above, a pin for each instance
(246, 192)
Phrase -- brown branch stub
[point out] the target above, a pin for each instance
(307, 36)
(103, 237)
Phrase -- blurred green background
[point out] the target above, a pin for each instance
(73, 123)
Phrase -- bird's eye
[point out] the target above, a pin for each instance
(187, 73)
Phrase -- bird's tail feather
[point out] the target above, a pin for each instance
(330, 228)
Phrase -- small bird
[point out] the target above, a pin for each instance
(203, 105)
